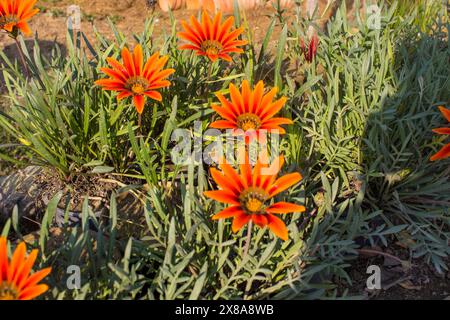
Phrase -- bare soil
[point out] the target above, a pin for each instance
(410, 279)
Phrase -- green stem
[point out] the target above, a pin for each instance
(140, 123)
(22, 57)
(249, 238)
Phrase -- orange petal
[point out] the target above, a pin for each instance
(284, 182)
(32, 292)
(138, 59)
(29, 14)
(445, 113)
(189, 47)
(213, 57)
(114, 74)
(139, 102)
(224, 113)
(246, 92)
(442, 154)
(17, 261)
(285, 207)
(225, 57)
(160, 64)
(266, 102)
(273, 109)
(123, 95)
(149, 65)
(260, 220)
(275, 130)
(36, 277)
(23, 26)
(224, 182)
(269, 174)
(9, 27)
(246, 171)
(225, 28)
(239, 221)
(232, 36)
(193, 34)
(223, 124)
(236, 99)
(155, 95)
(3, 259)
(128, 61)
(159, 84)
(207, 27)
(261, 163)
(229, 172)
(25, 270)
(118, 67)
(161, 75)
(257, 96)
(198, 27)
(442, 130)
(273, 122)
(222, 196)
(216, 25)
(277, 226)
(227, 105)
(110, 83)
(236, 43)
(228, 213)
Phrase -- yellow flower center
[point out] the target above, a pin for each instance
(248, 121)
(137, 85)
(4, 20)
(252, 200)
(212, 47)
(8, 292)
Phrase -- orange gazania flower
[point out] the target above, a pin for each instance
(135, 79)
(445, 151)
(14, 15)
(249, 192)
(16, 283)
(212, 38)
(250, 111)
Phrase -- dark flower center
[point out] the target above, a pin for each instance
(248, 121)
(8, 292)
(4, 20)
(212, 47)
(252, 200)
(137, 85)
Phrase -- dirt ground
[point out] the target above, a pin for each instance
(420, 281)
(129, 17)
(402, 278)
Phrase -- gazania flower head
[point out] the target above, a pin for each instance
(250, 110)
(248, 194)
(14, 15)
(213, 39)
(16, 283)
(311, 51)
(445, 151)
(135, 79)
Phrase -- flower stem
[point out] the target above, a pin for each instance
(210, 68)
(140, 124)
(22, 57)
(249, 238)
